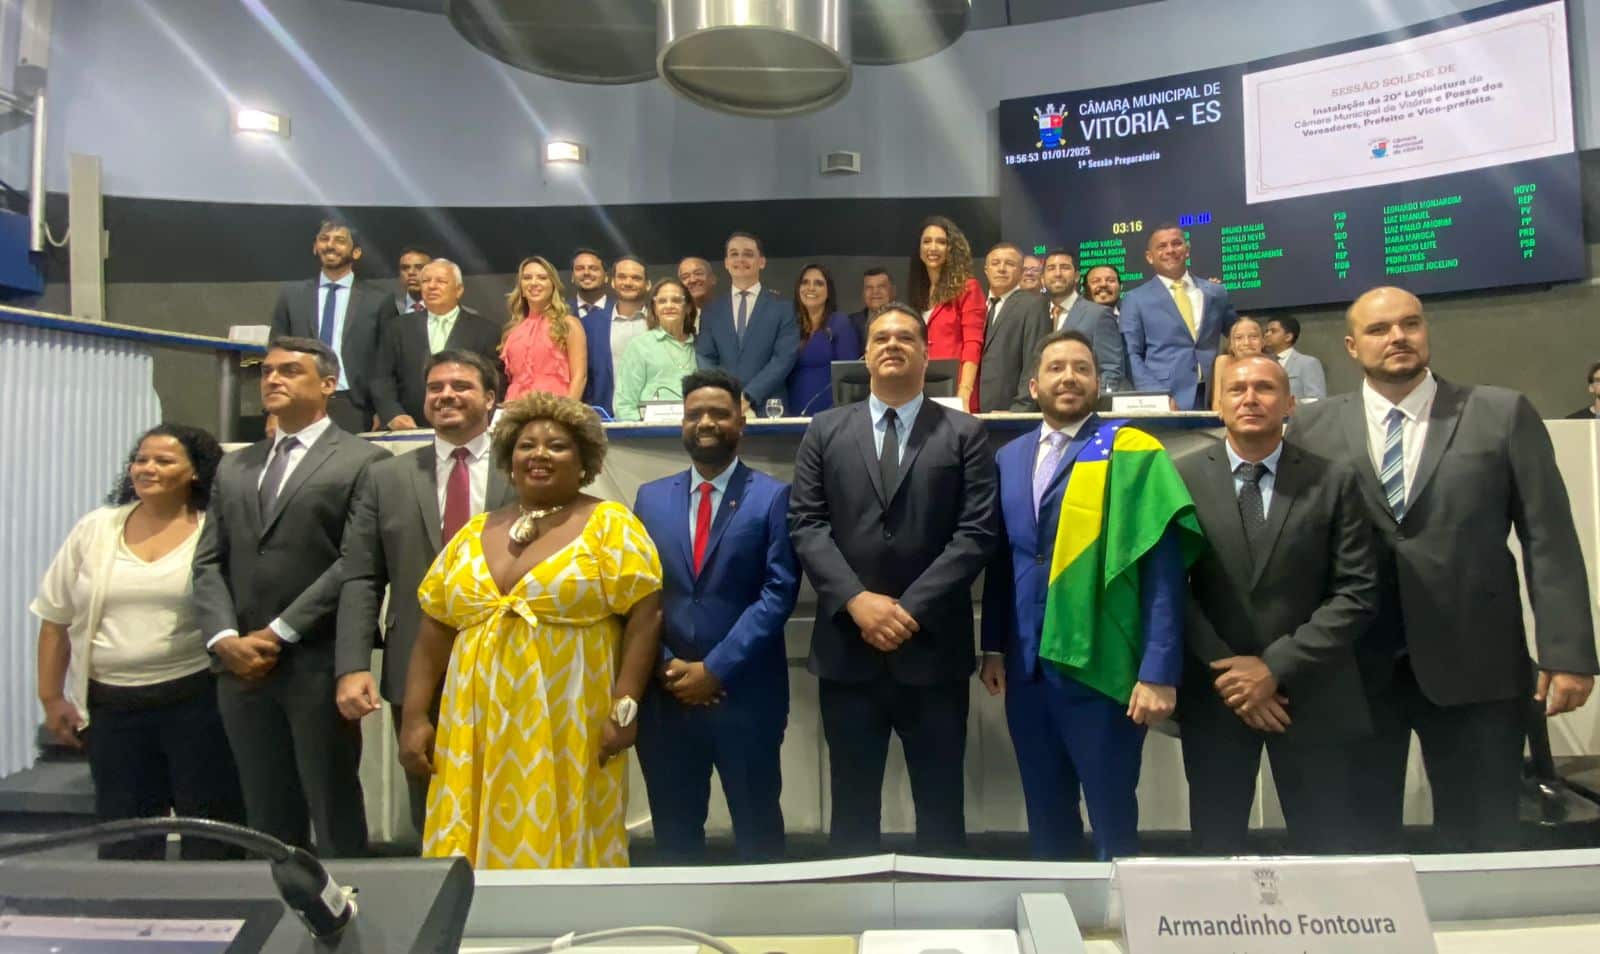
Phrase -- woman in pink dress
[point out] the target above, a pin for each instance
(543, 347)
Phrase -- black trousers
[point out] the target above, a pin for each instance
(1314, 781)
(150, 760)
(299, 759)
(932, 724)
(1473, 757)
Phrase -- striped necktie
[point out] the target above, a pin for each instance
(1393, 470)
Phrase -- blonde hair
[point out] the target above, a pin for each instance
(577, 417)
(517, 304)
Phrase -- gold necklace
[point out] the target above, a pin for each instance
(523, 529)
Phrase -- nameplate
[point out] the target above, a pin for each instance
(662, 412)
(1140, 404)
(953, 403)
(1273, 906)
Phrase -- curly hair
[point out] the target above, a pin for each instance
(691, 313)
(952, 277)
(204, 455)
(577, 417)
(517, 304)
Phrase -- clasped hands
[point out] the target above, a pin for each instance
(251, 656)
(691, 683)
(883, 622)
(1250, 689)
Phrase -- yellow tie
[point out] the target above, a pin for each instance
(1180, 297)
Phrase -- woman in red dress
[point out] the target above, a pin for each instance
(943, 289)
(543, 347)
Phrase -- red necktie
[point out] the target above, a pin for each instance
(702, 526)
(457, 495)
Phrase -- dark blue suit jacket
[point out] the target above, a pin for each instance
(602, 380)
(1019, 573)
(1162, 355)
(732, 615)
(763, 359)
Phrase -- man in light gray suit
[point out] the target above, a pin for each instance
(1447, 472)
(343, 314)
(405, 509)
(266, 594)
(1013, 327)
(1070, 311)
(1306, 379)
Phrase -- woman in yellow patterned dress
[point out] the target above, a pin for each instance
(548, 613)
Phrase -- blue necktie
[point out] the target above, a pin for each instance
(329, 315)
(1393, 471)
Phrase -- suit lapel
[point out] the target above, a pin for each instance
(1226, 535)
(1287, 485)
(1353, 420)
(316, 455)
(425, 481)
(1069, 454)
(999, 316)
(351, 309)
(498, 492)
(1030, 451)
(738, 482)
(255, 461)
(683, 495)
(926, 421)
(1442, 420)
(861, 424)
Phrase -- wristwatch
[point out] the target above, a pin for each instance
(624, 711)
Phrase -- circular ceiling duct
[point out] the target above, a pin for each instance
(899, 31)
(756, 57)
(581, 41)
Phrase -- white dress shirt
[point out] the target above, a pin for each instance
(477, 470)
(1416, 407)
(1045, 430)
(1001, 304)
(1062, 310)
(584, 307)
(1283, 356)
(304, 438)
(905, 417)
(624, 329)
(1268, 479)
(755, 296)
(719, 488)
(341, 306)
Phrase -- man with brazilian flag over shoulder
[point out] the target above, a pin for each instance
(1083, 604)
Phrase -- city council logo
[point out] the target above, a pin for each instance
(1052, 125)
(1380, 148)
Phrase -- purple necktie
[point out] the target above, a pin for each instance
(1055, 441)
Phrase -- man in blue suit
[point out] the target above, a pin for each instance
(1172, 323)
(1067, 735)
(594, 308)
(730, 579)
(749, 332)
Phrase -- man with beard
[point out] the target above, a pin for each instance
(729, 582)
(607, 341)
(405, 508)
(1172, 323)
(593, 309)
(893, 517)
(1447, 472)
(399, 388)
(1103, 286)
(1073, 729)
(342, 313)
(697, 276)
(1070, 312)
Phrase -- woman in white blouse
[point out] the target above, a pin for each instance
(123, 668)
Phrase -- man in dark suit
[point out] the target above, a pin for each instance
(1591, 411)
(1102, 284)
(1277, 603)
(729, 582)
(1447, 472)
(1069, 735)
(343, 314)
(407, 341)
(697, 276)
(877, 290)
(893, 517)
(267, 567)
(750, 332)
(408, 296)
(1070, 311)
(1014, 325)
(593, 305)
(405, 508)
(1172, 323)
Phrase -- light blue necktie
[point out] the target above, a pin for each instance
(1393, 470)
(1046, 469)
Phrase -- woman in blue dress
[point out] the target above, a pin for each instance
(826, 336)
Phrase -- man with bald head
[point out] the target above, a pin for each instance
(697, 276)
(408, 340)
(1277, 603)
(1447, 471)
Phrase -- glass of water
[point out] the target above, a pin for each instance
(774, 407)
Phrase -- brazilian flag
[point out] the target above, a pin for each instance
(1122, 495)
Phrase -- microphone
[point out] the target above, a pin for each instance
(307, 889)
